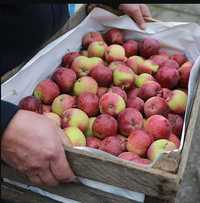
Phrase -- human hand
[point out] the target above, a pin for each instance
(33, 145)
(137, 11)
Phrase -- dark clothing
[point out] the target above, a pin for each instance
(24, 28)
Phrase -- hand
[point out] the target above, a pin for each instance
(33, 145)
(137, 11)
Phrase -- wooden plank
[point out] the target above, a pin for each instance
(19, 195)
(149, 199)
(193, 123)
(75, 191)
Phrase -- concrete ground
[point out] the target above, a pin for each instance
(190, 188)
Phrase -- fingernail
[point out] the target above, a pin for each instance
(143, 26)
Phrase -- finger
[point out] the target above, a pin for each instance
(35, 180)
(145, 10)
(136, 14)
(61, 169)
(48, 178)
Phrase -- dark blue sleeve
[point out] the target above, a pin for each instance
(8, 110)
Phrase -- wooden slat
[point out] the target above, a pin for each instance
(193, 124)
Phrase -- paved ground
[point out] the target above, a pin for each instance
(190, 187)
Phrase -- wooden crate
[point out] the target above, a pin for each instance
(159, 184)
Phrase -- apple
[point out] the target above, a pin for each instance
(104, 125)
(179, 58)
(90, 37)
(149, 89)
(64, 78)
(68, 58)
(129, 156)
(155, 105)
(114, 36)
(112, 145)
(171, 64)
(138, 142)
(164, 93)
(76, 136)
(97, 49)
(115, 52)
(176, 123)
(82, 65)
(45, 108)
(149, 47)
(74, 117)
(173, 138)
(93, 142)
(89, 103)
(158, 147)
(163, 52)
(115, 64)
(54, 117)
(136, 103)
(148, 66)
(123, 141)
(132, 93)
(46, 91)
(168, 77)
(84, 53)
(85, 84)
(158, 126)
(101, 91)
(89, 131)
(119, 91)
(63, 102)
(143, 78)
(177, 101)
(134, 62)
(129, 120)
(131, 47)
(123, 76)
(111, 104)
(184, 72)
(102, 74)
(159, 59)
(30, 103)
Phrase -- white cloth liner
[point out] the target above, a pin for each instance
(173, 36)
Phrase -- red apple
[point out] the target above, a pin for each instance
(46, 91)
(165, 93)
(129, 120)
(131, 47)
(149, 47)
(158, 126)
(184, 72)
(176, 123)
(64, 78)
(111, 104)
(112, 145)
(132, 93)
(115, 64)
(138, 142)
(149, 89)
(168, 77)
(173, 138)
(148, 67)
(102, 74)
(159, 59)
(46, 108)
(136, 103)
(30, 103)
(101, 91)
(171, 64)
(68, 58)
(114, 36)
(179, 58)
(93, 142)
(119, 91)
(89, 103)
(90, 37)
(104, 125)
(155, 105)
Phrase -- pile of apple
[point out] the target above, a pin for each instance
(127, 98)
